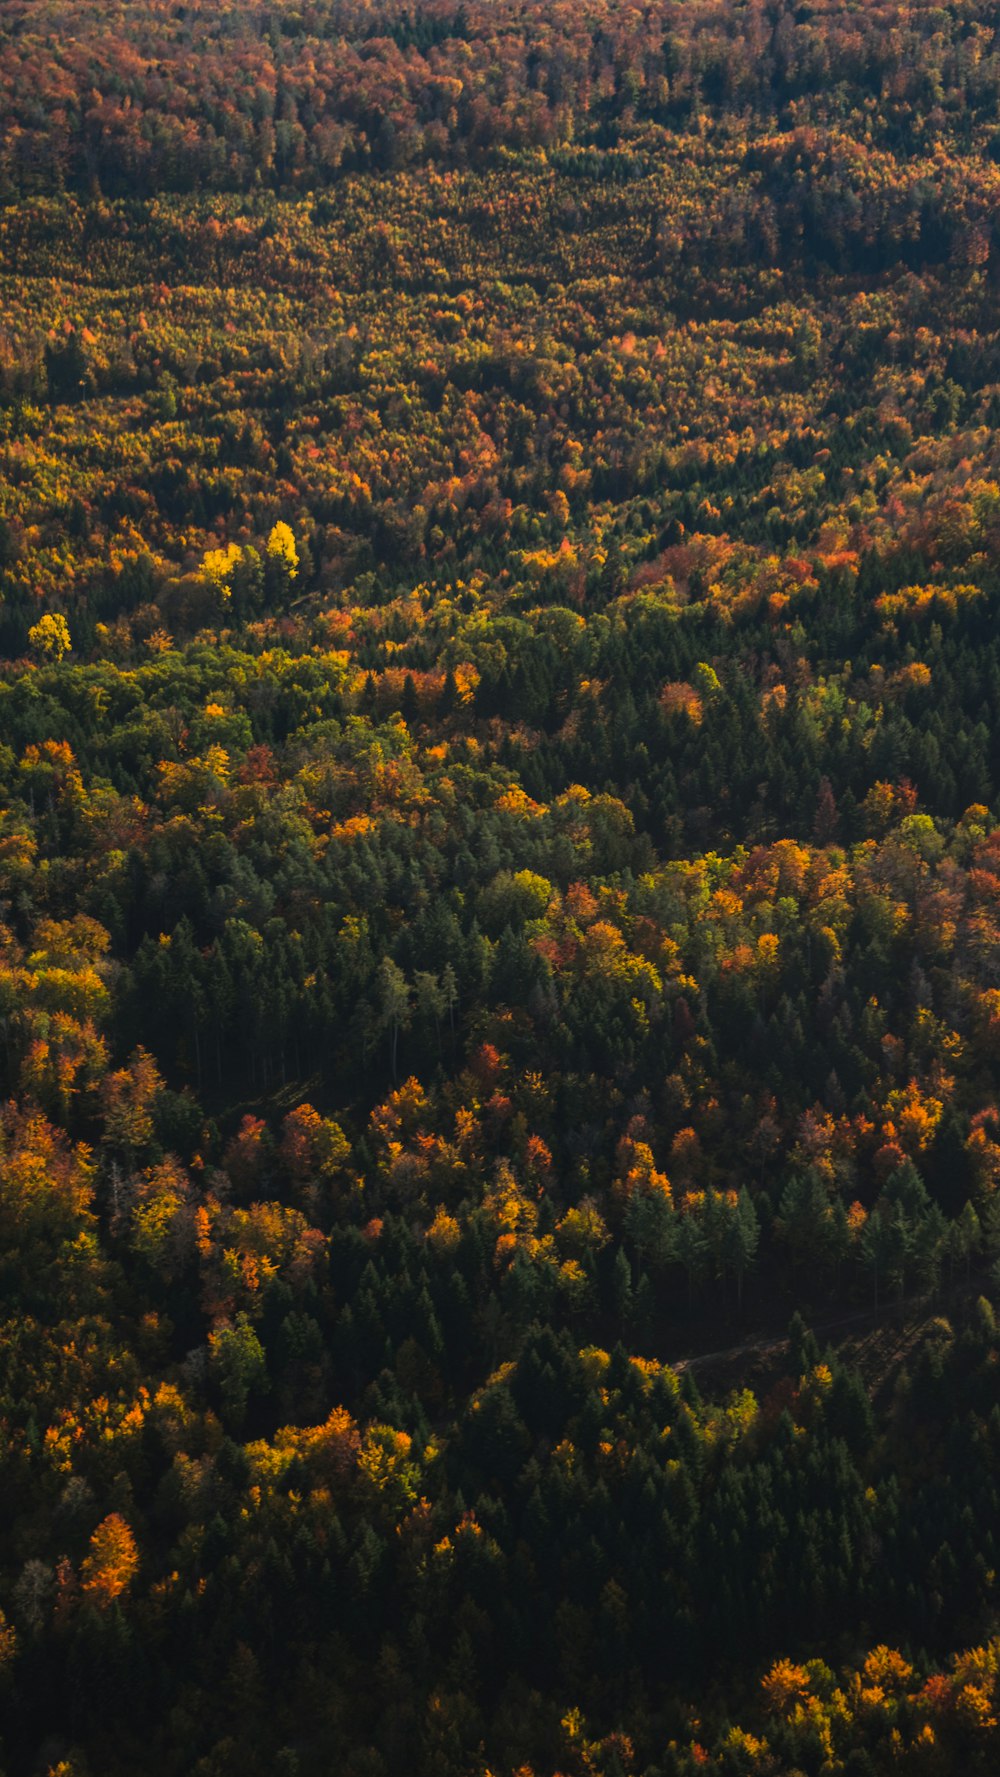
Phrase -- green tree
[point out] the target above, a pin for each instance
(741, 1239)
(239, 1366)
(394, 1004)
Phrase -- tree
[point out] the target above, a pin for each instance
(239, 1365)
(281, 549)
(50, 636)
(449, 993)
(621, 1288)
(912, 1228)
(884, 1241)
(66, 366)
(431, 1003)
(128, 1101)
(741, 1239)
(393, 1004)
(651, 1226)
(691, 1248)
(965, 1237)
(806, 1221)
(113, 1561)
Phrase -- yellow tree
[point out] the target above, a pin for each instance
(281, 548)
(50, 636)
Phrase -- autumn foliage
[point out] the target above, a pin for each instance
(499, 888)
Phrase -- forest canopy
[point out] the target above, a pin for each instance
(499, 888)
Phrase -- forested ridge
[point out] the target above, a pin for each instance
(500, 888)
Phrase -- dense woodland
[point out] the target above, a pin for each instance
(500, 888)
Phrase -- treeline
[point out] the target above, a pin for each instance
(283, 96)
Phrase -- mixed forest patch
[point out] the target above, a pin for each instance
(500, 888)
